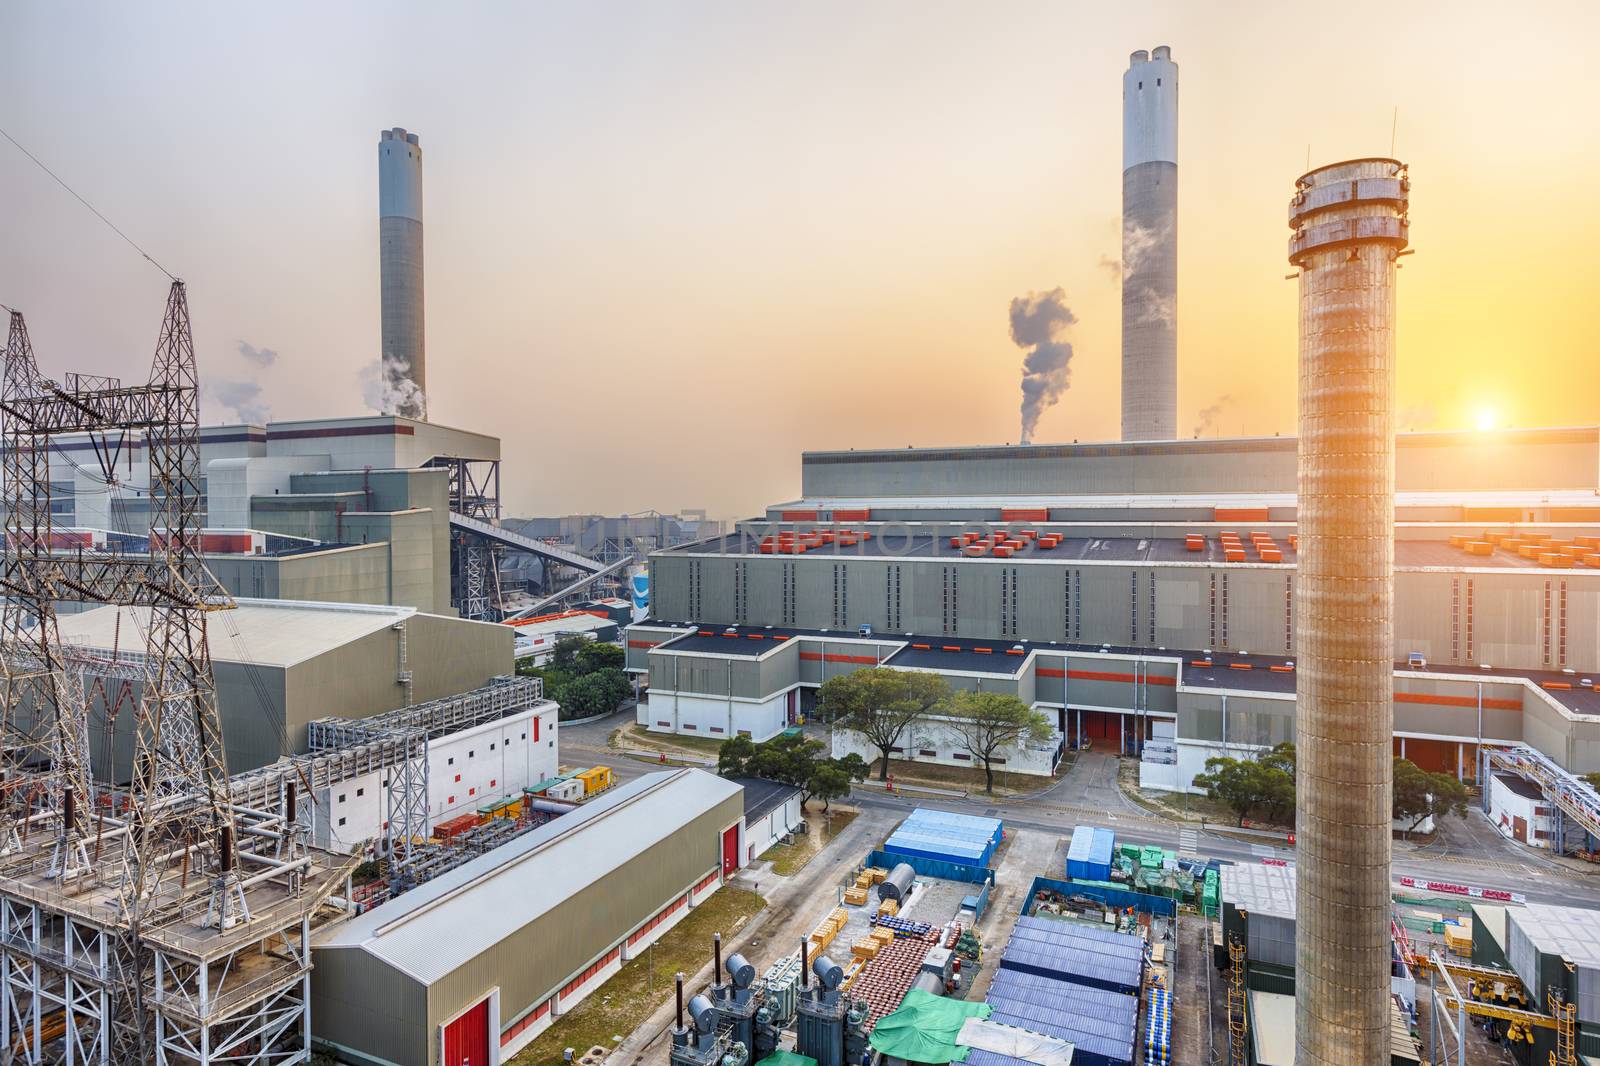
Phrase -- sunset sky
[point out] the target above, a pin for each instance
(671, 245)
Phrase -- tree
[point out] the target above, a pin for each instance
(1593, 780)
(733, 757)
(792, 760)
(564, 656)
(881, 704)
(828, 782)
(594, 656)
(1265, 782)
(987, 723)
(592, 694)
(1419, 794)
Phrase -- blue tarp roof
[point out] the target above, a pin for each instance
(1105, 845)
(989, 828)
(1099, 1024)
(1084, 938)
(1082, 842)
(1074, 962)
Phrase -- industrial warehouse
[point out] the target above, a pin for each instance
(1158, 621)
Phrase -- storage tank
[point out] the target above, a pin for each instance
(898, 884)
(1350, 224)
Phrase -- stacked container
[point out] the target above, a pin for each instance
(1090, 854)
(956, 838)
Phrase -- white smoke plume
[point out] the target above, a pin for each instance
(1112, 267)
(1209, 416)
(262, 357)
(244, 399)
(386, 389)
(1039, 321)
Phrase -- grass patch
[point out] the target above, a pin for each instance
(635, 735)
(789, 859)
(1184, 806)
(622, 1004)
(967, 779)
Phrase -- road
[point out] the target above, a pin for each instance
(1467, 851)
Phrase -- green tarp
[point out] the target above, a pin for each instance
(787, 1058)
(924, 1028)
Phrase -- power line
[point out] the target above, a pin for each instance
(57, 179)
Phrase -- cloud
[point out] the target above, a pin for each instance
(262, 357)
(1038, 321)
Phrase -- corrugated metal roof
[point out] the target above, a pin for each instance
(1259, 888)
(436, 928)
(263, 632)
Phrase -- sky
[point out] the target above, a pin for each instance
(672, 246)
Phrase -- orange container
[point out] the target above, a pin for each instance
(1271, 555)
(1233, 555)
(1002, 551)
(1479, 547)
(1556, 559)
(975, 550)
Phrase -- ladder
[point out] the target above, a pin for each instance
(1565, 1014)
(1238, 1021)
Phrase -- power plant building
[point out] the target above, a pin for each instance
(488, 955)
(1150, 246)
(1138, 628)
(280, 665)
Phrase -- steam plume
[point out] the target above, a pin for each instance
(244, 399)
(1210, 415)
(386, 389)
(1039, 321)
(262, 357)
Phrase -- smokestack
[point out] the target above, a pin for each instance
(1150, 247)
(716, 957)
(1350, 224)
(404, 356)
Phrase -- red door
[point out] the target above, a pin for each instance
(466, 1040)
(730, 851)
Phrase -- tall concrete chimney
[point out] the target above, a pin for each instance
(1150, 246)
(400, 264)
(1350, 224)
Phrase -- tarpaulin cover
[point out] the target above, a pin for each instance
(924, 1028)
(787, 1058)
(1015, 1043)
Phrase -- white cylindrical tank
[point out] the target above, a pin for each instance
(400, 266)
(1150, 246)
(1350, 224)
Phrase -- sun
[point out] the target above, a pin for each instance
(1486, 419)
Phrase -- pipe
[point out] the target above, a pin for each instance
(716, 957)
(679, 997)
(805, 966)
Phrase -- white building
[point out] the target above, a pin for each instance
(771, 812)
(1519, 810)
(466, 770)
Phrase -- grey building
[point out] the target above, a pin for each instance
(491, 952)
(1123, 614)
(280, 664)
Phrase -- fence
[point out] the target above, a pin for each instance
(1142, 902)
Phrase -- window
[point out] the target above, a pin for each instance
(524, 736)
(491, 745)
(689, 725)
(718, 729)
(963, 756)
(492, 782)
(450, 799)
(998, 762)
(470, 753)
(929, 754)
(897, 749)
(452, 761)
(341, 821)
(361, 792)
(472, 792)
(341, 797)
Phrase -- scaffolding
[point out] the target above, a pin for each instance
(1449, 1009)
(162, 922)
(1238, 1013)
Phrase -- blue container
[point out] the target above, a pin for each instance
(1078, 853)
(1090, 938)
(1101, 852)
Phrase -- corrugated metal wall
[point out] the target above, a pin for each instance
(1459, 618)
